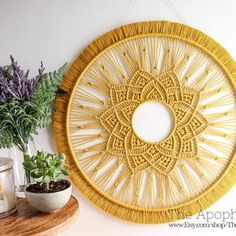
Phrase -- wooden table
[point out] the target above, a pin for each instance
(26, 221)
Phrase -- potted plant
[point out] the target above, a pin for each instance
(49, 192)
(26, 104)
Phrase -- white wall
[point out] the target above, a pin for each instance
(55, 31)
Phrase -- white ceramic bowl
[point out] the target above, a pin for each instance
(48, 202)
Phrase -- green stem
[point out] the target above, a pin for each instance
(47, 185)
(27, 174)
(24, 148)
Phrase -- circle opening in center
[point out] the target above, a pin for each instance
(153, 121)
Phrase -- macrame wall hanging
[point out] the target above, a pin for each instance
(126, 176)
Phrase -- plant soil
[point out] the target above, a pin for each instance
(53, 187)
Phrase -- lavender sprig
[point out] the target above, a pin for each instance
(16, 84)
(26, 105)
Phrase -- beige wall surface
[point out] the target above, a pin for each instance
(56, 31)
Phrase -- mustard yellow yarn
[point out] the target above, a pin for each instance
(161, 156)
(120, 173)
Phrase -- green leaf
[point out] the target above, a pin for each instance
(35, 173)
(19, 120)
(28, 165)
(46, 166)
(65, 172)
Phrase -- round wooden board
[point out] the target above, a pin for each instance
(27, 221)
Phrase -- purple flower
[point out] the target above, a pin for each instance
(16, 84)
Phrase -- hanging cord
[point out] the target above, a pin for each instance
(130, 8)
(176, 11)
(170, 4)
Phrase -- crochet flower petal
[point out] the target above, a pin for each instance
(141, 78)
(136, 84)
(116, 145)
(137, 163)
(194, 127)
(170, 82)
(154, 90)
(134, 145)
(121, 112)
(189, 148)
(183, 113)
(134, 93)
(120, 130)
(109, 119)
(158, 161)
(118, 94)
(190, 96)
(123, 141)
(124, 112)
(163, 164)
(174, 94)
(172, 146)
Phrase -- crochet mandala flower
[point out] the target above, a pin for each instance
(132, 168)
(188, 122)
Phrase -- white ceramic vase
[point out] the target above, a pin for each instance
(49, 202)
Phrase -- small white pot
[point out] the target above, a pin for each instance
(48, 202)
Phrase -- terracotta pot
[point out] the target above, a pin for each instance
(49, 202)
